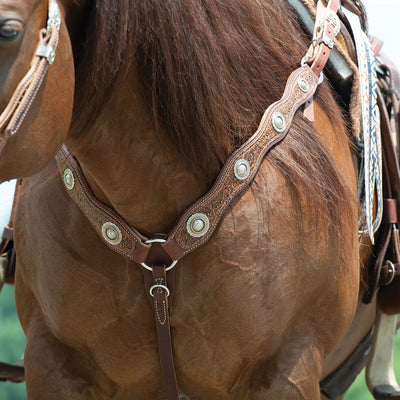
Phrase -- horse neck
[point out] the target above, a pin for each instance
(132, 167)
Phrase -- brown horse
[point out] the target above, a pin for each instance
(165, 91)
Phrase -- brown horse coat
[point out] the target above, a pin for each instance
(164, 92)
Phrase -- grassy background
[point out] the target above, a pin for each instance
(12, 343)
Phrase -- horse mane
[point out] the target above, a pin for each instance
(208, 69)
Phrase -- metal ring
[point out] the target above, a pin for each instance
(391, 270)
(160, 287)
(144, 265)
(54, 16)
(149, 241)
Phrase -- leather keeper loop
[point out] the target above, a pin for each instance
(8, 233)
(390, 211)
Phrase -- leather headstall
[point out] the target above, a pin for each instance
(24, 95)
(158, 255)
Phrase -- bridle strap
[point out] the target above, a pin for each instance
(24, 95)
(327, 27)
(160, 287)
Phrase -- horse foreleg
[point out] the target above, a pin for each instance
(292, 374)
(56, 371)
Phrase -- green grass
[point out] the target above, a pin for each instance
(359, 391)
(12, 342)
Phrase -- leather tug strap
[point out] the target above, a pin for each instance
(160, 287)
(159, 256)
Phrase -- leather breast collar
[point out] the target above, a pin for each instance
(159, 255)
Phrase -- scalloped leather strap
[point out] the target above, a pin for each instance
(199, 222)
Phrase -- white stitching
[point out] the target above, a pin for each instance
(164, 310)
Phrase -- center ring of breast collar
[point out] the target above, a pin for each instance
(144, 265)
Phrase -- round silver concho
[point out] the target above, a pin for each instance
(111, 233)
(54, 16)
(69, 180)
(241, 169)
(51, 57)
(198, 225)
(303, 85)
(278, 122)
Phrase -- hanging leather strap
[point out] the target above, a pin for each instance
(325, 31)
(160, 290)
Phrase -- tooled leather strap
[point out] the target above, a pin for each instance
(199, 222)
(14, 114)
(326, 28)
(112, 229)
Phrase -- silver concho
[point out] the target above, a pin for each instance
(241, 169)
(46, 52)
(54, 17)
(330, 16)
(303, 85)
(278, 122)
(111, 233)
(69, 180)
(198, 225)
